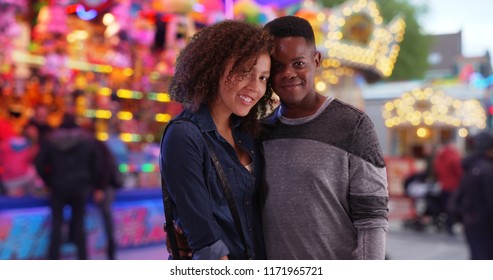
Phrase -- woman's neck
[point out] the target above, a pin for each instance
(222, 120)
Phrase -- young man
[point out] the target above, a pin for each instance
(325, 193)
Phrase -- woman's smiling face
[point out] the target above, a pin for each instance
(245, 88)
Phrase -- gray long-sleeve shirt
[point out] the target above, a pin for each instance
(325, 191)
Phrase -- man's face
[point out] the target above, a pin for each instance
(293, 69)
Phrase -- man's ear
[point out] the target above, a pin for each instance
(317, 58)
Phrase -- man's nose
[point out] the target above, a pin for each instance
(288, 73)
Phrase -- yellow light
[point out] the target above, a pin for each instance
(389, 123)
(341, 22)
(105, 91)
(108, 19)
(102, 136)
(163, 117)
(321, 86)
(126, 137)
(389, 106)
(128, 72)
(347, 11)
(422, 132)
(463, 132)
(103, 114)
(125, 115)
(163, 97)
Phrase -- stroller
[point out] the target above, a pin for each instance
(428, 208)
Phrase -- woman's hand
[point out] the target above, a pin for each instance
(182, 242)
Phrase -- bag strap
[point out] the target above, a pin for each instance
(169, 225)
(229, 195)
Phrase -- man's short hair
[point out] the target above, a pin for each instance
(291, 26)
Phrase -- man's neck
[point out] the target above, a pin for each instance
(303, 109)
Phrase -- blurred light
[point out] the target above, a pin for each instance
(102, 136)
(321, 86)
(163, 117)
(198, 8)
(463, 132)
(422, 132)
(125, 115)
(104, 91)
(148, 167)
(86, 15)
(124, 168)
(108, 19)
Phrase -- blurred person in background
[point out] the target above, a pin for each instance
(17, 152)
(448, 172)
(110, 180)
(38, 126)
(6, 131)
(70, 163)
(475, 197)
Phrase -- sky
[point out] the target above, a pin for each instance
(473, 17)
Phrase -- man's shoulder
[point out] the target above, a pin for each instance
(338, 106)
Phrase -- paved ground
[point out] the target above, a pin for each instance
(408, 244)
(402, 244)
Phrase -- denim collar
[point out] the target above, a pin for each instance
(206, 123)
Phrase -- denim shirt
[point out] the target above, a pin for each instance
(200, 206)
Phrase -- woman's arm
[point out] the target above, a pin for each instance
(182, 160)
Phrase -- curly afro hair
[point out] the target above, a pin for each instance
(200, 65)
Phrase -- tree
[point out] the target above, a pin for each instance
(412, 62)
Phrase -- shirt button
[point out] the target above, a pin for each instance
(247, 202)
(250, 228)
(239, 141)
(252, 151)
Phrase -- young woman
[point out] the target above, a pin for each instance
(221, 77)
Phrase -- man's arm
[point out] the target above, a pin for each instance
(368, 197)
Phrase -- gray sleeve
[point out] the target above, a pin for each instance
(368, 195)
(371, 244)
